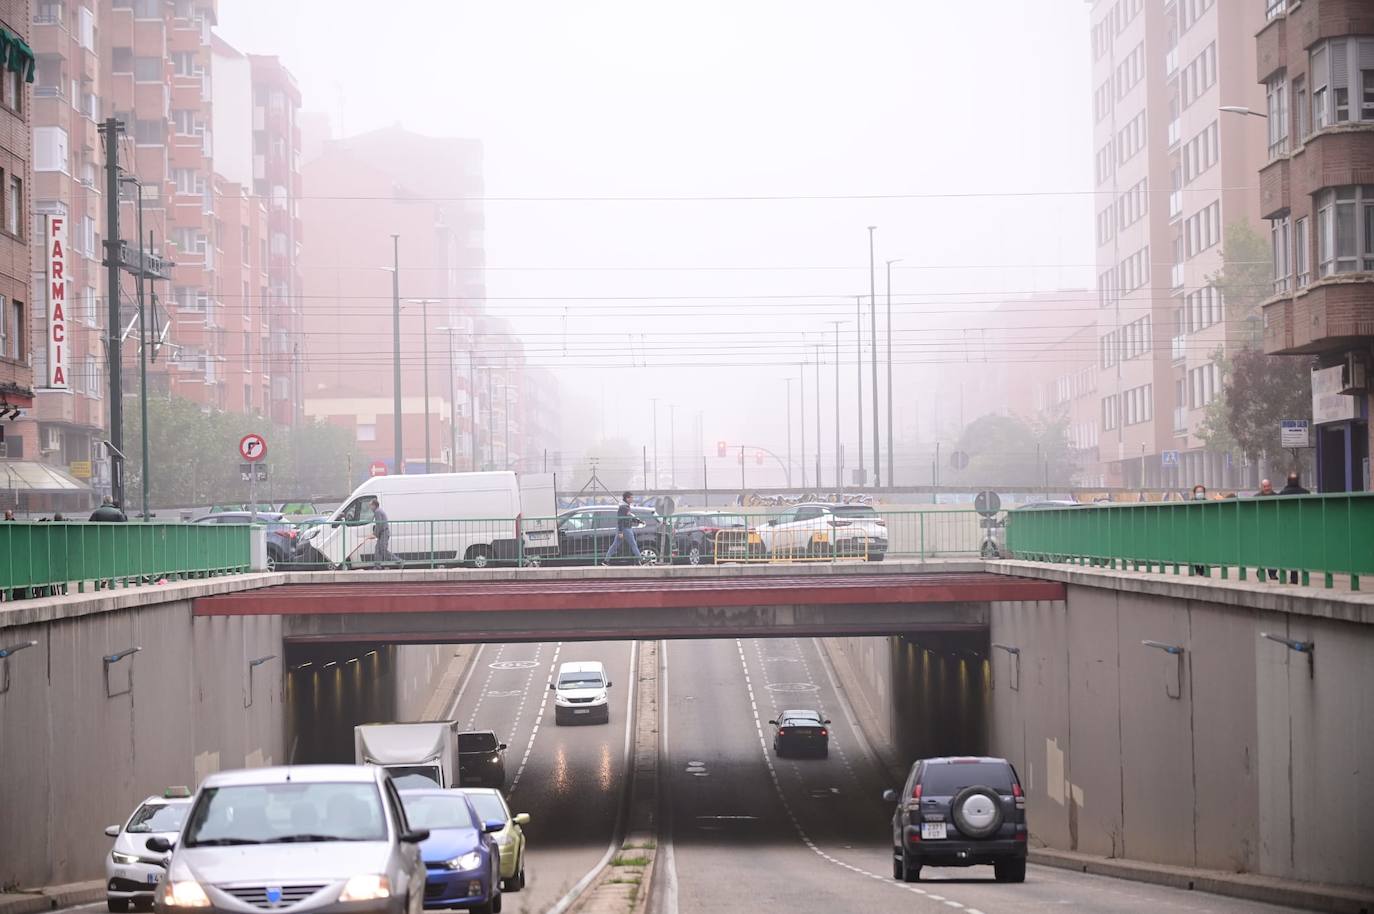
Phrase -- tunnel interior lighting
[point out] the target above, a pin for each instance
(116, 657)
(1006, 647)
(1160, 645)
(15, 648)
(259, 661)
(1302, 647)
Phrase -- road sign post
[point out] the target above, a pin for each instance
(1295, 433)
(252, 448)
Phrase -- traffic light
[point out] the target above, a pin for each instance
(720, 448)
(758, 457)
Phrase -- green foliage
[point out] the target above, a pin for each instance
(1261, 390)
(1006, 451)
(1245, 280)
(194, 457)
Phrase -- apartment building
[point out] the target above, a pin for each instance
(1316, 63)
(18, 378)
(358, 193)
(1171, 172)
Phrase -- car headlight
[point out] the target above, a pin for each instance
(496, 757)
(125, 859)
(185, 893)
(469, 861)
(366, 888)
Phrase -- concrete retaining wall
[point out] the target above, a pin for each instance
(1229, 756)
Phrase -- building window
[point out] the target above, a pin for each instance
(17, 328)
(49, 149)
(1102, 102)
(1202, 230)
(1279, 241)
(122, 60)
(1190, 11)
(148, 69)
(186, 63)
(1201, 309)
(1109, 412)
(1302, 112)
(150, 133)
(1130, 139)
(14, 205)
(1130, 71)
(1204, 383)
(1106, 163)
(1199, 75)
(1345, 230)
(185, 122)
(1107, 292)
(1104, 226)
(1338, 68)
(1200, 153)
(367, 432)
(1301, 257)
(93, 387)
(14, 89)
(1134, 271)
(1276, 91)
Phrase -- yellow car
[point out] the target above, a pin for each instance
(491, 807)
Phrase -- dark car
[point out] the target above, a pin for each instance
(959, 812)
(462, 859)
(801, 733)
(705, 537)
(585, 535)
(481, 760)
(281, 533)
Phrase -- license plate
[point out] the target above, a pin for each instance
(932, 831)
(582, 710)
(152, 878)
(540, 534)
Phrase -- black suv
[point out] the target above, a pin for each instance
(481, 760)
(959, 812)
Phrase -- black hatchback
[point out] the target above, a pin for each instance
(959, 812)
(481, 760)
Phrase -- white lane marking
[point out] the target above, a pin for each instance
(663, 859)
(467, 677)
(486, 687)
(538, 718)
(796, 824)
(616, 837)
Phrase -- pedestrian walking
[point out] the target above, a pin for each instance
(108, 513)
(1200, 494)
(625, 522)
(381, 532)
(1294, 487)
(9, 515)
(1266, 489)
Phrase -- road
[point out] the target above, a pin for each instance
(748, 831)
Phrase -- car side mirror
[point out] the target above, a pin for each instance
(492, 826)
(415, 835)
(773, 722)
(890, 795)
(551, 686)
(609, 683)
(522, 819)
(500, 746)
(159, 845)
(112, 831)
(826, 722)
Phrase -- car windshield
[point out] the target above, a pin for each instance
(157, 817)
(489, 807)
(579, 680)
(286, 813)
(438, 811)
(725, 520)
(410, 777)
(945, 780)
(477, 742)
(853, 511)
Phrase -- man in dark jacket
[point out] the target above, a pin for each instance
(107, 513)
(1294, 486)
(625, 522)
(1267, 488)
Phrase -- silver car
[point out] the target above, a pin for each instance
(308, 838)
(132, 872)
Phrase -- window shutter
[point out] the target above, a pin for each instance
(1340, 64)
(1367, 54)
(1321, 76)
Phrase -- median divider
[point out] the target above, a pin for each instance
(623, 885)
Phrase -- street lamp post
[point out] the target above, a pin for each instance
(789, 432)
(142, 350)
(859, 372)
(424, 304)
(672, 444)
(873, 335)
(399, 466)
(891, 473)
(801, 411)
(839, 470)
(647, 485)
(452, 403)
(818, 415)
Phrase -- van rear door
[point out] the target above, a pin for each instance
(539, 512)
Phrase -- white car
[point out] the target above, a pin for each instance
(132, 872)
(820, 530)
(579, 692)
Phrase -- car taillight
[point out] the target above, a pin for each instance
(916, 792)
(291, 534)
(1021, 836)
(1016, 791)
(781, 731)
(824, 732)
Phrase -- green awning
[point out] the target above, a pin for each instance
(17, 55)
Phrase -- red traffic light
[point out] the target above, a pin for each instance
(720, 448)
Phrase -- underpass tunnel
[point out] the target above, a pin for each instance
(940, 694)
(330, 688)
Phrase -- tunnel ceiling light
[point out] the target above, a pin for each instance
(301, 666)
(1006, 647)
(1160, 645)
(115, 658)
(1302, 647)
(15, 648)
(354, 660)
(331, 663)
(261, 660)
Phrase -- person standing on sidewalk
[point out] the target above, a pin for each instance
(1200, 494)
(108, 513)
(381, 531)
(625, 522)
(1267, 488)
(1294, 487)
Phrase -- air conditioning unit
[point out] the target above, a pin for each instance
(1354, 374)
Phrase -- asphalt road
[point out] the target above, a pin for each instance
(748, 831)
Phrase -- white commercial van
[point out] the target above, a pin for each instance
(475, 518)
(579, 693)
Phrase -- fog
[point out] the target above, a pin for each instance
(678, 194)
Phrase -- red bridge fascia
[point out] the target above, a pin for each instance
(622, 593)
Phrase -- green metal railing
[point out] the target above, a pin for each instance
(756, 537)
(1303, 534)
(40, 557)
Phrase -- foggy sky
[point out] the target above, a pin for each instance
(713, 99)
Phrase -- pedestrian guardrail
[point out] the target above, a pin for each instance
(729, 535)
(39, 558)
(1294, 536)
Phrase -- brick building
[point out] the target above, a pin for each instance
(1316, 63)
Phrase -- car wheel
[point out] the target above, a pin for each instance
(496, 899)
(911, 872)
(274, 559)
(520, 876)
(117, 905)
(143, 904)
(694, 554)
(479, 556)
(1010, 871)
(897, 863)
(648, 556)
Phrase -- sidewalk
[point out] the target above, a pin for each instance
(1252, 887)
(54, 896)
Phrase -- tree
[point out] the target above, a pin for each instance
(1263, 389)
(1245, 280)
(1006, 451)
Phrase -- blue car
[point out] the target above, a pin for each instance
(462, 859)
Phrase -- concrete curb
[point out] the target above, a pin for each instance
(1311, 895)
(52, 897)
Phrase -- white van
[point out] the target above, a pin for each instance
(579, 692)
(446, 518)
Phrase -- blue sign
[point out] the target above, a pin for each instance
(1168, 458)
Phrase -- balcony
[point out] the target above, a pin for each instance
(1275, 8)
(1179, 347)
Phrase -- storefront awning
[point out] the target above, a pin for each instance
(34, 477)
(17, 55)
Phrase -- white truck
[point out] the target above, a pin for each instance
(415, 754)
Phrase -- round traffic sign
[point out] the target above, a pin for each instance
(987, 503)
(377, 468)
(253, 447)
(959, 460)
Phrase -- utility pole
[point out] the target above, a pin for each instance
(891, 473)
(801, 410)
(789, 432)
(672, 444)
(839, 480)
(819, 483)
(398, 466)
(472, 402)
(859, 371)
(110, 131)
(143, 360)
(647, 484)
(452, 404)
(873, 335)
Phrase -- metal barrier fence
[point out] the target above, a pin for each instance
(39, 556)
(585, 537)
(1292, 535)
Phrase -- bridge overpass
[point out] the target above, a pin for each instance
(609, 604)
